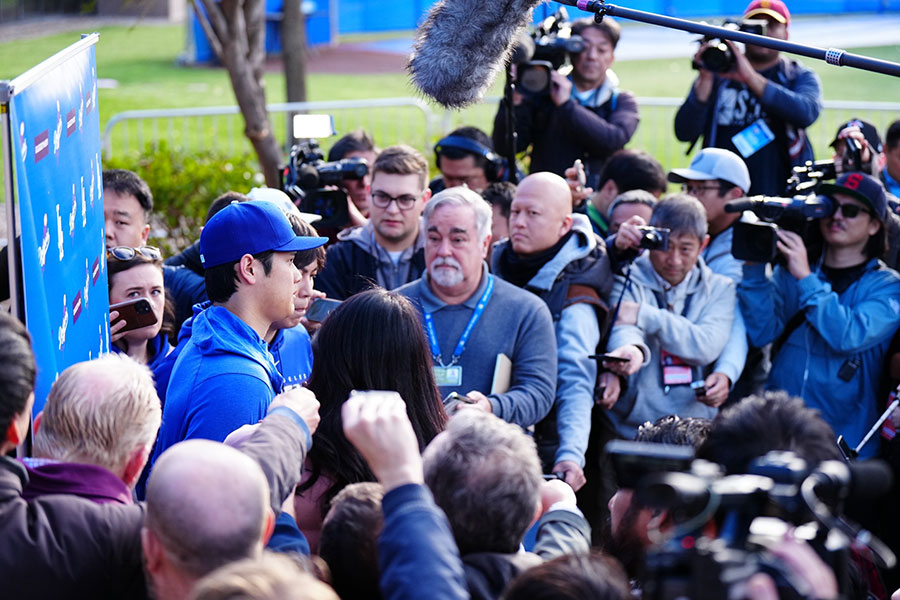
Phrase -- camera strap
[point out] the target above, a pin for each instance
(673, 369)
(790, 328)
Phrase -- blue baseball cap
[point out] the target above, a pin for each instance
(250, 228)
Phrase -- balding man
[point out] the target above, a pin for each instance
(556, 255)
(95, 432)
(207, 506)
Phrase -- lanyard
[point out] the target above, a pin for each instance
(461, 344)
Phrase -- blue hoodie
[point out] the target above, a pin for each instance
(223, 379)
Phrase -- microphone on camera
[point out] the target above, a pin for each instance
(772, 208)
(462, 45)
(866, 480)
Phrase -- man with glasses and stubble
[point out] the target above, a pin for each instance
(389, 249)
(830, 309)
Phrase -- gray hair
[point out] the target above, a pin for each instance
(463, 196)
(632, 197)
(681, 213)
(207, 504)
(98, 412)
(486, 476)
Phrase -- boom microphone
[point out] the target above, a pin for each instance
(462, 45)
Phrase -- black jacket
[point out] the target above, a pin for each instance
(349, 269)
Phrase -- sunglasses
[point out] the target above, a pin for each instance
(128, 253)
(850, 211)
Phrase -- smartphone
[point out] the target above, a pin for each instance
(319, 308)
(136, 313)
(609, 358)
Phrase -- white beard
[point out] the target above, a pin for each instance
(443, 277)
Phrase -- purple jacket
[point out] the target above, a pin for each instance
(87, 481)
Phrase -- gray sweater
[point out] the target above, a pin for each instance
(516, 323)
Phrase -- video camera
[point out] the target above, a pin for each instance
(546, 49)
(806, 179)
(723, 524)
(718, 57)
(307, 176)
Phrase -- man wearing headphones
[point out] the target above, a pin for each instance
(466, 157)
(584, 116)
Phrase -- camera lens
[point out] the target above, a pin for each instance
(717, 58)
(535, 79)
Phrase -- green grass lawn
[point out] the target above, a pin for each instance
(143, 62)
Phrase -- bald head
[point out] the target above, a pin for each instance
(101, 412)
(207, 505)
(540, 214)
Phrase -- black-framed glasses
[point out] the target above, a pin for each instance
(850, 211)
(404, 202)
(695, 190)
(128, 253)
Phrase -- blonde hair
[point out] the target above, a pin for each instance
(270, 577)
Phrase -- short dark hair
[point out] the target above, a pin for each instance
(759, 424)
(304, 258)
(349, 542)
(455, 153)
(223, 201)
(401, 160)
(500, 193)
(18, 372)
(672, 429)
(125, 182)
(355, 141)
(221, 281)
(892, 137)
(634, 170)
(592, 575)
(608, 27)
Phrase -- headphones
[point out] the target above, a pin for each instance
(495, 165)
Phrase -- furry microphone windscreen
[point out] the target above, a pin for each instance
(462, 45)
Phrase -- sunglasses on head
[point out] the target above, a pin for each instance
(128, 253)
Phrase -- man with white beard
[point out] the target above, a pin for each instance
(491, 342)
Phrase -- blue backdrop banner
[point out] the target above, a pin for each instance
(59, 185)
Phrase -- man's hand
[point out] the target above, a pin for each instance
(572, 474)
(612, 387)
(744, 72)
(635, 360)
(703, 85)
(793, 249)
(628, 313)
(575, 177)
(629, 236)
(477, 400)
(865, 155)
(555, 491)
(301, 401)
(376, 423)
(115, 331)
(717, 387)
(797, 556)
(560, 88)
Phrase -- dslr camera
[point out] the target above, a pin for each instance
(313, 183)
(654, 238)
(717, 56)
(546, 49)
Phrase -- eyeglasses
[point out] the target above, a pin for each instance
(128, 253)
(850, 211)
(695, 190)
(404, 202)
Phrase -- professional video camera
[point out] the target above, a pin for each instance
(315, 183)
(718, 57)
(547, 49)
(806, 179)
(723, 524)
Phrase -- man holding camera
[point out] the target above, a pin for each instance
(672, 325)
(389, 249)
(758, 107)
(585, 116)
(830, 319)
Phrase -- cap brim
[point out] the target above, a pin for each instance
(302, 242)
(310, 217)
(826, 189)
(767, 12)
(682, 175)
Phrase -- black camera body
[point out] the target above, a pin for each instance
(654, 238)
(306, 176)
(718, 57)
(756, 242)
(546, 50)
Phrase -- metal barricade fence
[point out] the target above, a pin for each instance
(416, 122)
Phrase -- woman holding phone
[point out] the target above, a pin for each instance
(137, 300)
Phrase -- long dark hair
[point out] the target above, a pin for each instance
(373, 341)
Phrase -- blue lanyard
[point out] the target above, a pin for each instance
(461, 344)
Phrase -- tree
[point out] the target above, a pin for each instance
(236, 32)
(294, 55)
